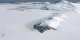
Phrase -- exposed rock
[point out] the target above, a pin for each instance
(42, 28)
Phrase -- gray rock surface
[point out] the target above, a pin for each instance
(42, 28)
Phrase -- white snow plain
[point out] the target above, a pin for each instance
(18, 25)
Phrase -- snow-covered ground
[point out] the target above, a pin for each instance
(16, 21)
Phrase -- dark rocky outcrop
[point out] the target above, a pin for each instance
(42, 28)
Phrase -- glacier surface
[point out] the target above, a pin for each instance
(24, 21)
